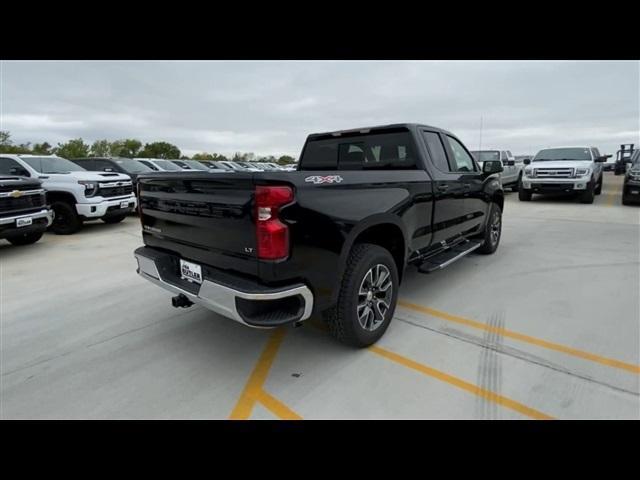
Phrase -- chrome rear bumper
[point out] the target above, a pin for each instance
(246, 307)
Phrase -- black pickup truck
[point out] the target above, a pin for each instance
(24, 213)
(332, 238)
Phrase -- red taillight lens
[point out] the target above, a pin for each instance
(272, 234)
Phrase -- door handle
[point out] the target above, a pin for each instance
(466, 185)
(443, 186)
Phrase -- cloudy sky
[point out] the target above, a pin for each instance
(270, 107)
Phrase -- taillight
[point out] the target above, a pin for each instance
(272, 234)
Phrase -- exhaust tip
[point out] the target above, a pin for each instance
(181, 301)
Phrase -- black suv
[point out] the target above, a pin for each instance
(128, 166)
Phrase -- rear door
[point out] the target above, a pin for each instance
(470, 176)
(449, 193)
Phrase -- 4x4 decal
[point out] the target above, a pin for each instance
(318, 179)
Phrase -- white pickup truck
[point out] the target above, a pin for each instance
(512, 170)
(74, 193)
(564, 170)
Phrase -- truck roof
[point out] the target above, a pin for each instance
(355, 131)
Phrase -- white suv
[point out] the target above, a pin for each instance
(74, 193)
(564, 170)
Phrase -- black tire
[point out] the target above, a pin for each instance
(598, 189)
(588, 195)
(114, 219)
(26, 239)
(343, 320)
(492, 231)
(66, 220)
(524, 195)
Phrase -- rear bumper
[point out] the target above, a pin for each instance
(631, 190)
(244, 301)
(40, 221)
(107, 207)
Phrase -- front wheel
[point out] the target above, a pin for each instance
(598, 190)
(26, 239)
(66, 220)
(367, 298)
(587, 196)
(492, 231)
(524, 195)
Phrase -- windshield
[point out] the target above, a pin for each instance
(196, 165)
(52, 165)
(560, 154)
(486, 155)
(132, 166)
(635, 160)
(167, 165)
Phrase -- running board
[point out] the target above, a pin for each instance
(446, 258)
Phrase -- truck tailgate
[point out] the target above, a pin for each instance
(177, 213)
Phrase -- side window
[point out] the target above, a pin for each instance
(462, 160)
(87, 164)
(595, 153)
(509, 155)
(436, 151)
(9, 166)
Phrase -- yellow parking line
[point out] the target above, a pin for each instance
(253, 391)
(457, 382)
(277, 407)
(523, 338)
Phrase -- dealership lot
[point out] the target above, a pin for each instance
(548, 327)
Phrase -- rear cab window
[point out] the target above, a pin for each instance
(390, 149)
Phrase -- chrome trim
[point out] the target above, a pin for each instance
(220, 298)
(120, 183)
(41, 214)
(22, 193)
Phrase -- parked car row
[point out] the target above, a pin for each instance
(46, 191)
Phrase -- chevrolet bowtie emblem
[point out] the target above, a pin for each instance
(16, 194)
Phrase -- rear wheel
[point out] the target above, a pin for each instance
(516, 186)
(367, 297)
(114, 219)
(492, 231)
(66, 220)
(26, 239)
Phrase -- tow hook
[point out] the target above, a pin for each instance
(181, 301)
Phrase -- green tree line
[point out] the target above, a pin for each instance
(128, 147)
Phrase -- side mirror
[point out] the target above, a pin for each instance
(526, 161)
(19, 171)
(511, 163)
(492, 166)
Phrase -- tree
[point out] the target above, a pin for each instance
(42, 148)
(203, 156)
(5, 138)
(7, 146)
(160, 150)
(100, 148)
(75, 148)
(128, 147)
(285, 160)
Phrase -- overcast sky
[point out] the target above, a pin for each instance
(270, 107)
